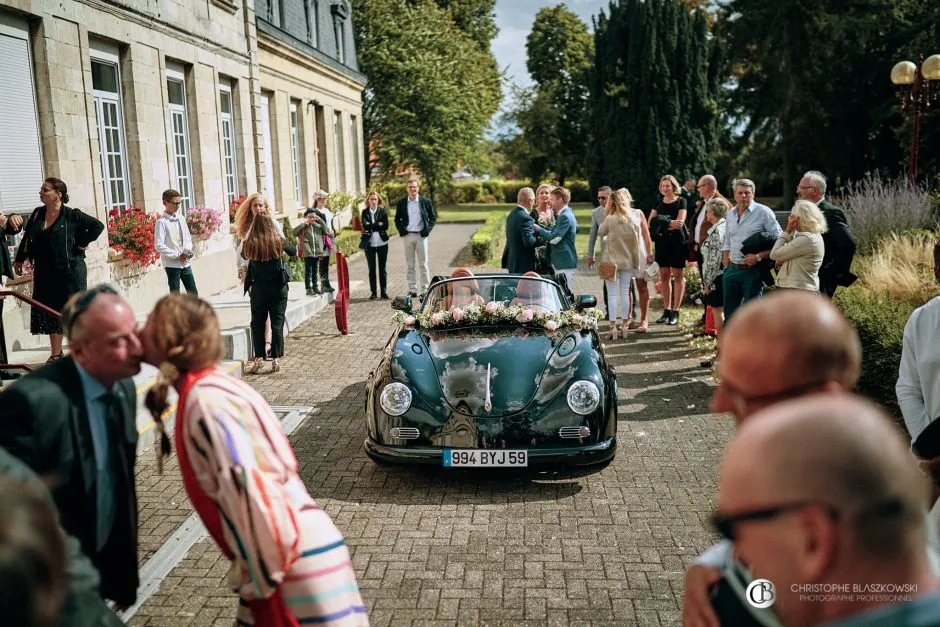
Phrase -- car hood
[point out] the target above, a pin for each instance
(513, 359)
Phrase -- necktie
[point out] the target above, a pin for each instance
(109, 469)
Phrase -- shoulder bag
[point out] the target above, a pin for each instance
(607, 271)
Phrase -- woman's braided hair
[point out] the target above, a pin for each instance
(186, 329)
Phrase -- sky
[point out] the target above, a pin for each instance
(515, 18)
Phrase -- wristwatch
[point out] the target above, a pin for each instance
(758, 257)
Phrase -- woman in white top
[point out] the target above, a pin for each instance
(799, 251)
(374, 242)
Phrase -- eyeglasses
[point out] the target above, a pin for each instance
(70, 317)
(725, 524)
(701, 185)
(602, 197)
(172, 202)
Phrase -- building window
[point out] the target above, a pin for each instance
(106, 83)
(312, 10)
(268, 187)
(228, 141)
(295, 149)
(338, 150)
(354, 141)
(274, 12)
(179, 123)
(339, 27)
(21, 158)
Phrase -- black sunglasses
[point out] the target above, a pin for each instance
(725, 524)
(70, 316)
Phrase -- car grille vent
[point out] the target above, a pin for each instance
(574, 433)
(404, 433)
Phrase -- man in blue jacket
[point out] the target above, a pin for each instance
(414, 219)
(560, 238)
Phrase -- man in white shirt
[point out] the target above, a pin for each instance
(414, 219)
(918, 386)
(175, 244)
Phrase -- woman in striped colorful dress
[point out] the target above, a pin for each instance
(290, 565)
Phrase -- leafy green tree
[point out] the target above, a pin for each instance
(559, 55)
(810, 85)
(431, 91)
(474, 17)
(654, 96)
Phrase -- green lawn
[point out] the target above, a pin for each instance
(449, 214)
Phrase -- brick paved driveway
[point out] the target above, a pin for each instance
(458, 547)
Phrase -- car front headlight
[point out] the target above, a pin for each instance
(395, 399)
(583, 397)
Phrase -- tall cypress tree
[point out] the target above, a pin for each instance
(654, 92)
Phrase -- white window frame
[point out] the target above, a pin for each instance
(107, 54)
(339, 151)
(354, 144)
(295, 152)
(179, 135)
(229, 158)
(339, 30)
(269, 186)
(16, 28)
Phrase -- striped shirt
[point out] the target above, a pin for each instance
(281, 539)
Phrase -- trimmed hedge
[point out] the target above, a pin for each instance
(488, 240)
(491, 191)
(880, 323)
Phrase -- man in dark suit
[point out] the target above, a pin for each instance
(73, 423)
(520, 234)
(414, 219)
(838, 241)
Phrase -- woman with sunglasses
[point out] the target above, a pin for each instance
(54, 241)
(289, 562)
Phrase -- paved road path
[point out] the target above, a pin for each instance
(443, 548)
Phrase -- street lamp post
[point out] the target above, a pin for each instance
(914, 91)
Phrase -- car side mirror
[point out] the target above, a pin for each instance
(586, 301)
(402, 303)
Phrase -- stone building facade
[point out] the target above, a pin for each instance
(214, 98)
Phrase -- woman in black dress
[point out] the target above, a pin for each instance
(266, 279)
(54, 241)
(671, 249)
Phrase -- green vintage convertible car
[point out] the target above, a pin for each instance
(493, 371)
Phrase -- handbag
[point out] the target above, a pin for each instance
(607, 271)
(652, 271)
(328, 242)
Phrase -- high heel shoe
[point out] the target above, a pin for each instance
(614, 333)
(253, 366)
(643, 327)
(275, 365)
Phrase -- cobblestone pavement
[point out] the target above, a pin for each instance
(435, 547)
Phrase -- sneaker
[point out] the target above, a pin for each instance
(309, 291)
(314, 291)
(371, 296)
(327, 288)
(665, 318)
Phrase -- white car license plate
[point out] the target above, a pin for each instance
(477, 458)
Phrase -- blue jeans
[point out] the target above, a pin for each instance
(175, 275)
(740, 286)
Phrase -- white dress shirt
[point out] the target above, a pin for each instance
(171, 237)
(375, 240)
(918, 386)
(415, 223)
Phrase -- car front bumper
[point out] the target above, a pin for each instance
(586, 455)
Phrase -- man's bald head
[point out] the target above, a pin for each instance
(805, 336)
(101, 327)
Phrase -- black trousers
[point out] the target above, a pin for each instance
(325, 272)
(175, 275)
(268, 300)
(380, 255)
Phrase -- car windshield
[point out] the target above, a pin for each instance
(507, 290)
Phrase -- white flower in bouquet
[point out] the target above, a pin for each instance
(551, 325)
(492, 307)
(437, 318)
(457, 314)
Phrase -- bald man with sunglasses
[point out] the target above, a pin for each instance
(74, 422)
(787, 345)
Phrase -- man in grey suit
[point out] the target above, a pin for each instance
(520, 234)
